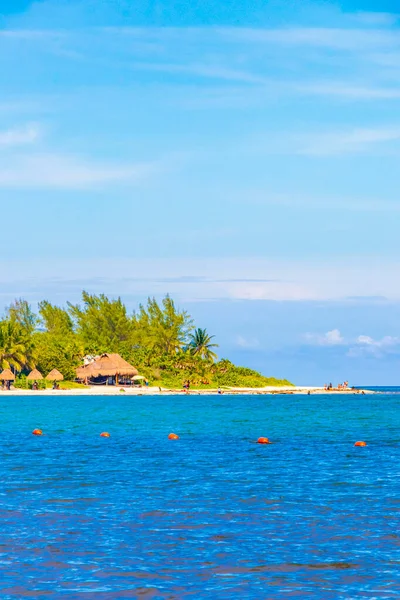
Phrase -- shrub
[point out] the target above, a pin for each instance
(21, 382)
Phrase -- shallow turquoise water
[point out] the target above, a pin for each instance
(213, 515)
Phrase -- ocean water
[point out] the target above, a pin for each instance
(212, 515)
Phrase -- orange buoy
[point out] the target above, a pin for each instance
(105, 434)
(37, 432)
(263, 440)
(360, 444)
(173, 436)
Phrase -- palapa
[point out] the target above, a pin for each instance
(55, 375)
(107, 365)
(34, 375)
(82, 372)
(7, 375)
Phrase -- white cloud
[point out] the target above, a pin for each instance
(376, 18)
(349, 90)
(206, 70)
(357, 39)
(16, 137)
(268, 290)
(366, 345)
(247, 342)
(365, 339)
(264, 197)
(385, 342)
(360, 346)
(334, 337)
(330, 338)
(66, 172)
(329, 143)
(229, 278)
(233, 54)
(347, 142)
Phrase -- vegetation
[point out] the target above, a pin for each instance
(160, 340)
(16, 347)
(200, 345)
(22, 383)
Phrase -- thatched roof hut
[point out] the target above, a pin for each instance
(83, 372)
(107, 365)
(55, 375)
(7, 375)
(34, 375)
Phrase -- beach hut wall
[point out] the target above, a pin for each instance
(55, 375)
(34, 375)
(7, 375)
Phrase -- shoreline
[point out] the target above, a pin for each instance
(155, 391)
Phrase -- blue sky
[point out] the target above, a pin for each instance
(242, 158)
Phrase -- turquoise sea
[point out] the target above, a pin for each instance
(212, 515)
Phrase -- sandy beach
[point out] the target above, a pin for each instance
(155, 391)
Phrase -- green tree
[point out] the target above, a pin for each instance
(54, 319)
(21, 312)
(62, 352)
(164, 329)
(102, 324)
(160, 340)
(14, 349)
(200, 344)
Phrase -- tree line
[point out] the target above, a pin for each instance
(159, 339)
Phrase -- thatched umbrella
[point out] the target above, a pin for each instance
(107, 365)
(7, 375)
(55, 375)
(34, 375)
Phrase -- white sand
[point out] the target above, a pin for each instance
(154, 391)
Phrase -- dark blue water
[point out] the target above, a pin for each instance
(212, 515)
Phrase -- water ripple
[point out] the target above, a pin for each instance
(213, 515)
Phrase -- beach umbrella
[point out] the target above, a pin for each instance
(55, 375)
(34, 375)
(7, 375)
(137, 377)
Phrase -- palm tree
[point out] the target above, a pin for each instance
(14, 350)
(200, 344)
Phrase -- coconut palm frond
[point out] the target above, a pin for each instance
(201, 345)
